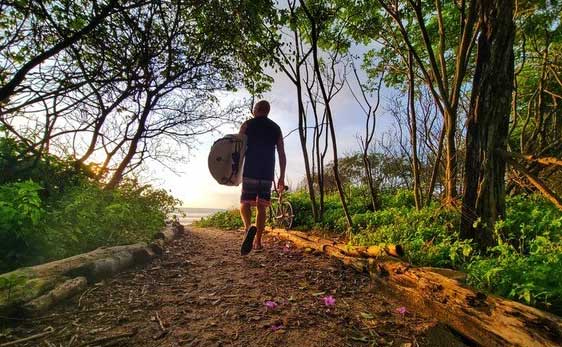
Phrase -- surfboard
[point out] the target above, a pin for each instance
(226, 159)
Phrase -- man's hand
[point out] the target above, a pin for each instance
(281, 185)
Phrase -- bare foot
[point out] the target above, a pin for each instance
(258, 247)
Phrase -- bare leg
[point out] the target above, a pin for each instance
(246, 214)
(260, 224)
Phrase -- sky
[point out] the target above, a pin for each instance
(195, 187)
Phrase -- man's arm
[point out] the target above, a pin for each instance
(282, 163)
(243, 128)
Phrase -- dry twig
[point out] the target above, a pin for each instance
(47, 331)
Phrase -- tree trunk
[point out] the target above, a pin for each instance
(488, 120)
(413, 132)
(336, 171)
(450, 159)
(118, 174)
(435, 169)
(368, 174)
(302, 137)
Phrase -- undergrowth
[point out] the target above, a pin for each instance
(526, 264)
(49, 209)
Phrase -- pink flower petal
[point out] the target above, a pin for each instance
(402, 310)
(271, 305)
(276, 327)
(329, 300)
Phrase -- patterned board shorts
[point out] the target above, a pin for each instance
(256, 192)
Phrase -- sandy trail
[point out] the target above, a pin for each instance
(203, 293)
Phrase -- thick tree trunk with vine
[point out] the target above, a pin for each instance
(484, 193)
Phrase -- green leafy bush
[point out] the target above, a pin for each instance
(529, 216)
(429, 236)
(302, 210)
(21, 217)
(50, 208)
(229, 220)
(527, 263)
(87, 217)
(532, 278)
(399, 198)
(52, 173)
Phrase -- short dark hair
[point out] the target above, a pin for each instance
(262, 107)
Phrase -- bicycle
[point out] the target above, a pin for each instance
(280, 211)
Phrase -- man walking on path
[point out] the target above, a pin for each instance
(263, 136)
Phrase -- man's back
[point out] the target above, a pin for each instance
(263, 135)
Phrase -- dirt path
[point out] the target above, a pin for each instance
(203, 293)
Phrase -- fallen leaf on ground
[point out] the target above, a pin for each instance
(271, 305)
(367, 315)
(329, 301)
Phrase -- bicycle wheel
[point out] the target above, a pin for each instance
(286, 214)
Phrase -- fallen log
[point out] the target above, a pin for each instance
(61, 292)
(372, 251)
(103, 268)
(352, 251)
(487, 320)
(42, 285)
(167, 234)
(452, 274)
(25, 284)
(534, 180)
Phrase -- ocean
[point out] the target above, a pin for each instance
(188, 215)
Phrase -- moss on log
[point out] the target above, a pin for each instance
(20, 286)
(59, 293)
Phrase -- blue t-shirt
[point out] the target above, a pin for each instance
(262, 136)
